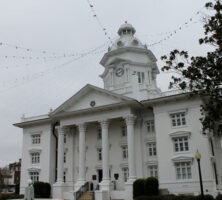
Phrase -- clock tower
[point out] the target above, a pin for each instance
(130, 68)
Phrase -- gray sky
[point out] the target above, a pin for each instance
(33, 86)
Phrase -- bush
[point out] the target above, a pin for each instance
(219, 197)
(138, 188)
(148, 198)
(42, 190)
(151, 186)
(10, 196)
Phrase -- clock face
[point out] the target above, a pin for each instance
(119, 72)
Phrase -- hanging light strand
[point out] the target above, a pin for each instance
(103, 28)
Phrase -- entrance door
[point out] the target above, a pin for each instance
(100, 175)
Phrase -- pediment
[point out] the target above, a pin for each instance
(90, 97)
(182, 158)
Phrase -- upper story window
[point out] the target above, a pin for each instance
(153, 171)
(36, 139)
(34, 176)
(178, 119)
(124, 131)
(64, 158)
(64, 176)
(65, 138)
(150, 126)
(124, 152)
(181, 144)
(151, 147)
(125, 171)
(183, 170)
(140, 76)
(35, 157)
(99, 154)
(99, 133)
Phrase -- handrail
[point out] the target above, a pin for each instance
(84, 188)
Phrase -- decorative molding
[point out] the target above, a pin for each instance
(34, 150)
(185, 110)
(183, 158)
(36, 133)
(122, 165)
(130, 120)
(104, 124)
(152, 162)
(177, 134)
(34, 169)
(82, 127)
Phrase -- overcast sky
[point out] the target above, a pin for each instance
(32, 86)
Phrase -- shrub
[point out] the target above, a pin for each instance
(151, 186)
(219, 197)
(148, 198)
(138, 188)
(10, 196)
(42, 190)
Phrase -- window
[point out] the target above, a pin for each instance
(181, 144)
(36, 139)
(150, 126)
(125, 173)
(64, 176)
(99, 154)
(183, 170)
(124, 152)
(65, 138)
(35, 157)
(64, 158)
(178, 119)
(124, 131)
(140, 76)
(151, 147)
(153, 171)
(34, 176)
(99, 134)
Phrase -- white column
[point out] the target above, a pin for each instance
(105, 150)
(60, 160)
(130, 120)
(82, 153)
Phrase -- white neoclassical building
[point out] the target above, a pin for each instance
(130, 129)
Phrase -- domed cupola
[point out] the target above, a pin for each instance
(127, 38)
(129, 67)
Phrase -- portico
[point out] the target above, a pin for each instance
(83, 130)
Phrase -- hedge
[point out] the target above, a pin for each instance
(10, 196)
(42, 189)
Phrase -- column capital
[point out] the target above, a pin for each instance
(82, 127)
(61, 130)
(104, 123)
(130, 119)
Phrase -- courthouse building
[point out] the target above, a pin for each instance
(108, 137)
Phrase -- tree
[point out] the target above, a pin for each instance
(202, 75)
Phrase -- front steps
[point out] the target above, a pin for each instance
(87, 196)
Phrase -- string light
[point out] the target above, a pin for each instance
(103, 28)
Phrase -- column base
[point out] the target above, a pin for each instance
(57, 190)
(105, 185)
(129, 188)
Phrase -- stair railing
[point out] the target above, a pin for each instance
(84, 188)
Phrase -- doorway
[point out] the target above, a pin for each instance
(100, 175)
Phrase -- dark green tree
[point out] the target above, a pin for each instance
(202, 75)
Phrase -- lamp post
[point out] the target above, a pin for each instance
(198, 157)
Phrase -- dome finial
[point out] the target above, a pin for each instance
(126, 22)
